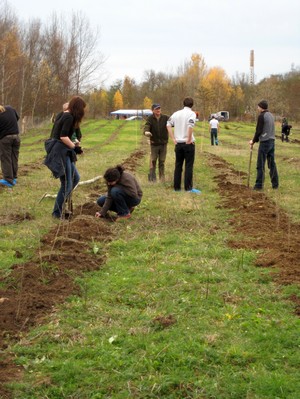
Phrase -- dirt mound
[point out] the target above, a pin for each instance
(15, 218)
(260, 225)
(35, 288)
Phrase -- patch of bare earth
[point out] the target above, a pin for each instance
(34, 289)
(260, 224)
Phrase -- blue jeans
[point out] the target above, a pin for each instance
(121, 202)
(266, 152)
(214, 136)
(184, 153)
(67, 183)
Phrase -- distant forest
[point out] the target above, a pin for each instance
(41, 67)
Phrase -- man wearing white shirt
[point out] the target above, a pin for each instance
(214, 129)
(183, 122)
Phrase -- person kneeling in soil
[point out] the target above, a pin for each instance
(124, 193)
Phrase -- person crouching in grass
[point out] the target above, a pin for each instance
(123, 193)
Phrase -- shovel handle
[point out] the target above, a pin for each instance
(249, 168)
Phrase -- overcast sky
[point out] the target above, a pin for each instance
(139, 35)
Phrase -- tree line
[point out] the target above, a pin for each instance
(41, 67)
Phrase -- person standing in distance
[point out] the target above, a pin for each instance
(265, 135)
(214, 130)
(183, 122)
(156, 129)
(9, 145)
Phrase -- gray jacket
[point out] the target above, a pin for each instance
(265, 127)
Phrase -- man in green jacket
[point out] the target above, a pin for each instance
(156, 130)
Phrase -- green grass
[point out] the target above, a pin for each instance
(231, 333)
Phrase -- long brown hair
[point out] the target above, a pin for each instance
(76, 108)
(113, 174)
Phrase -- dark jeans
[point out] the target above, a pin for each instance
(266, 152)
(159, 152)
(121, 202)
(214, 136)
(67, 184)
(9, 155)
(184, 153)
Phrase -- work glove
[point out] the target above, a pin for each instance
(78, 149)
(148, 134)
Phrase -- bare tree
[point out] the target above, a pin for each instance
(87, 60)
(9, 52)
(32, 47)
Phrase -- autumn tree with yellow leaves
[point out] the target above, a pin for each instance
(147, 103)
(216, 90)
(118, 100)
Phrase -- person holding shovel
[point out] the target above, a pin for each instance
(265, 135)
(156, 130)
(62, 154)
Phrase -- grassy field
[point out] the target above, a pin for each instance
(174, 312)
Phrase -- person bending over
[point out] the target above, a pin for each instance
(123, 193)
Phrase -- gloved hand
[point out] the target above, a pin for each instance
(148, 134)
(78, 149)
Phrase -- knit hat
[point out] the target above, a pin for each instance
(263, 104)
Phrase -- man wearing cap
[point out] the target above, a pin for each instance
(156, 129)
(265, 135)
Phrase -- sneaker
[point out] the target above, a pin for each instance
(121, 217)
(14, 181)
(195, 191)
(257, 188)
(6, 183)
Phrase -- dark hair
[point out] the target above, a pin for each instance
(113, 174)
(188, 102)
(76, 108)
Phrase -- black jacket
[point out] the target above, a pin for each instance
(158, 128)
(8, 122)
(57, 153)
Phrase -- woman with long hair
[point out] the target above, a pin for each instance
(123, 195)
(62, 153)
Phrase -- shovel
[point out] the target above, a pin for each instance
(249, 168)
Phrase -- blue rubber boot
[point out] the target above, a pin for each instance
(6, 183)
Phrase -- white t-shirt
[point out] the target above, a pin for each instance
(214, 123)
(181, 120)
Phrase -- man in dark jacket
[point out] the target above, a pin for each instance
(156, 129)
(285, 130)
(265, 135)
(9, 145)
